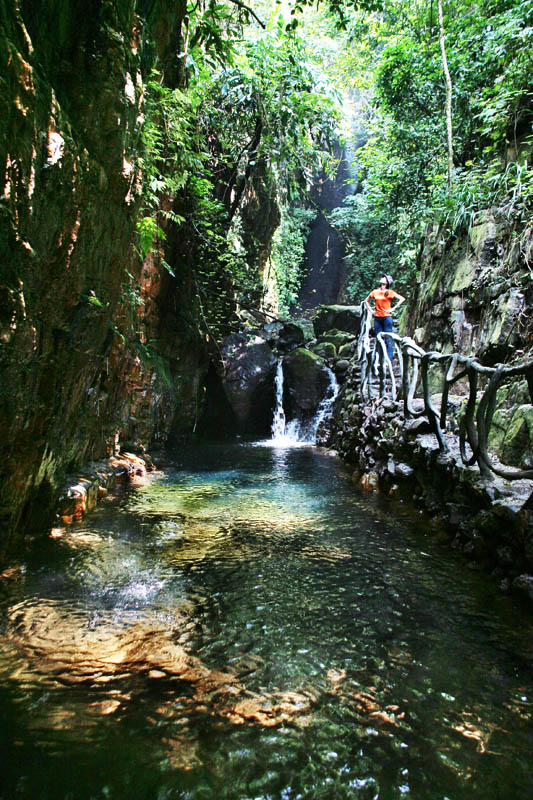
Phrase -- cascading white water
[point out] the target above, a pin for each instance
(282, 436)
(278, 423)
(325, 408)
(297, 432)
(306, 432)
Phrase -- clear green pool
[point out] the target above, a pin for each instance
(248, 625)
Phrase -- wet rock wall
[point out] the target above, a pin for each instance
(76, 373)
(475, 291)
(324, 269)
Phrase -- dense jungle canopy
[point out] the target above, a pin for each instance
(265, 92)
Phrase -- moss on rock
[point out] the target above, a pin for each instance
(336, 337)
(325, 350)
(517, 446)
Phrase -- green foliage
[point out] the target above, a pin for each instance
(171, 153)
(269, 129)
(266, 130)
(148, 231)
(481, 186)
(300, 114)
(248, 129)
(150, 357)
(288, 252)
(221, 273)
(340, 9)
(403, 165)
(94, 301)
(369, 245)
(253, 121)
(268, 107)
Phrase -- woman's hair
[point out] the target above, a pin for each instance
(389, 280)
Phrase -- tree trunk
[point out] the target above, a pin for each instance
(448, 96)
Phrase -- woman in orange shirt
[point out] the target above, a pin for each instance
(383, 298)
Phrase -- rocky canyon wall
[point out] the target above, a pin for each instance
(324, 269)
(475, 292)
(76, 368)
(475, 297)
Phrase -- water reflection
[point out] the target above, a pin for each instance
(248, 626)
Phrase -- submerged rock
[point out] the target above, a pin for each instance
(67, 653)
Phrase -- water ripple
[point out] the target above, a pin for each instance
(248, 625)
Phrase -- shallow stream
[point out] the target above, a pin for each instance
(248, 625)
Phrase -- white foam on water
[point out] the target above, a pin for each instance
(297, 433)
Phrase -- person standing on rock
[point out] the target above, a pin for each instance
(383, 298)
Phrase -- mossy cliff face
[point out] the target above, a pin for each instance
(475, 297)
(74, 376)
(475, 293)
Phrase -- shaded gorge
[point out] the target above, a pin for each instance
(248, 625)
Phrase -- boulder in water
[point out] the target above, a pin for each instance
(306, 379)
(247, 378)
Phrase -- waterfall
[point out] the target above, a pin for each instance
(296, 431)
(278, 423)
(325, 408)
(305, 432)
